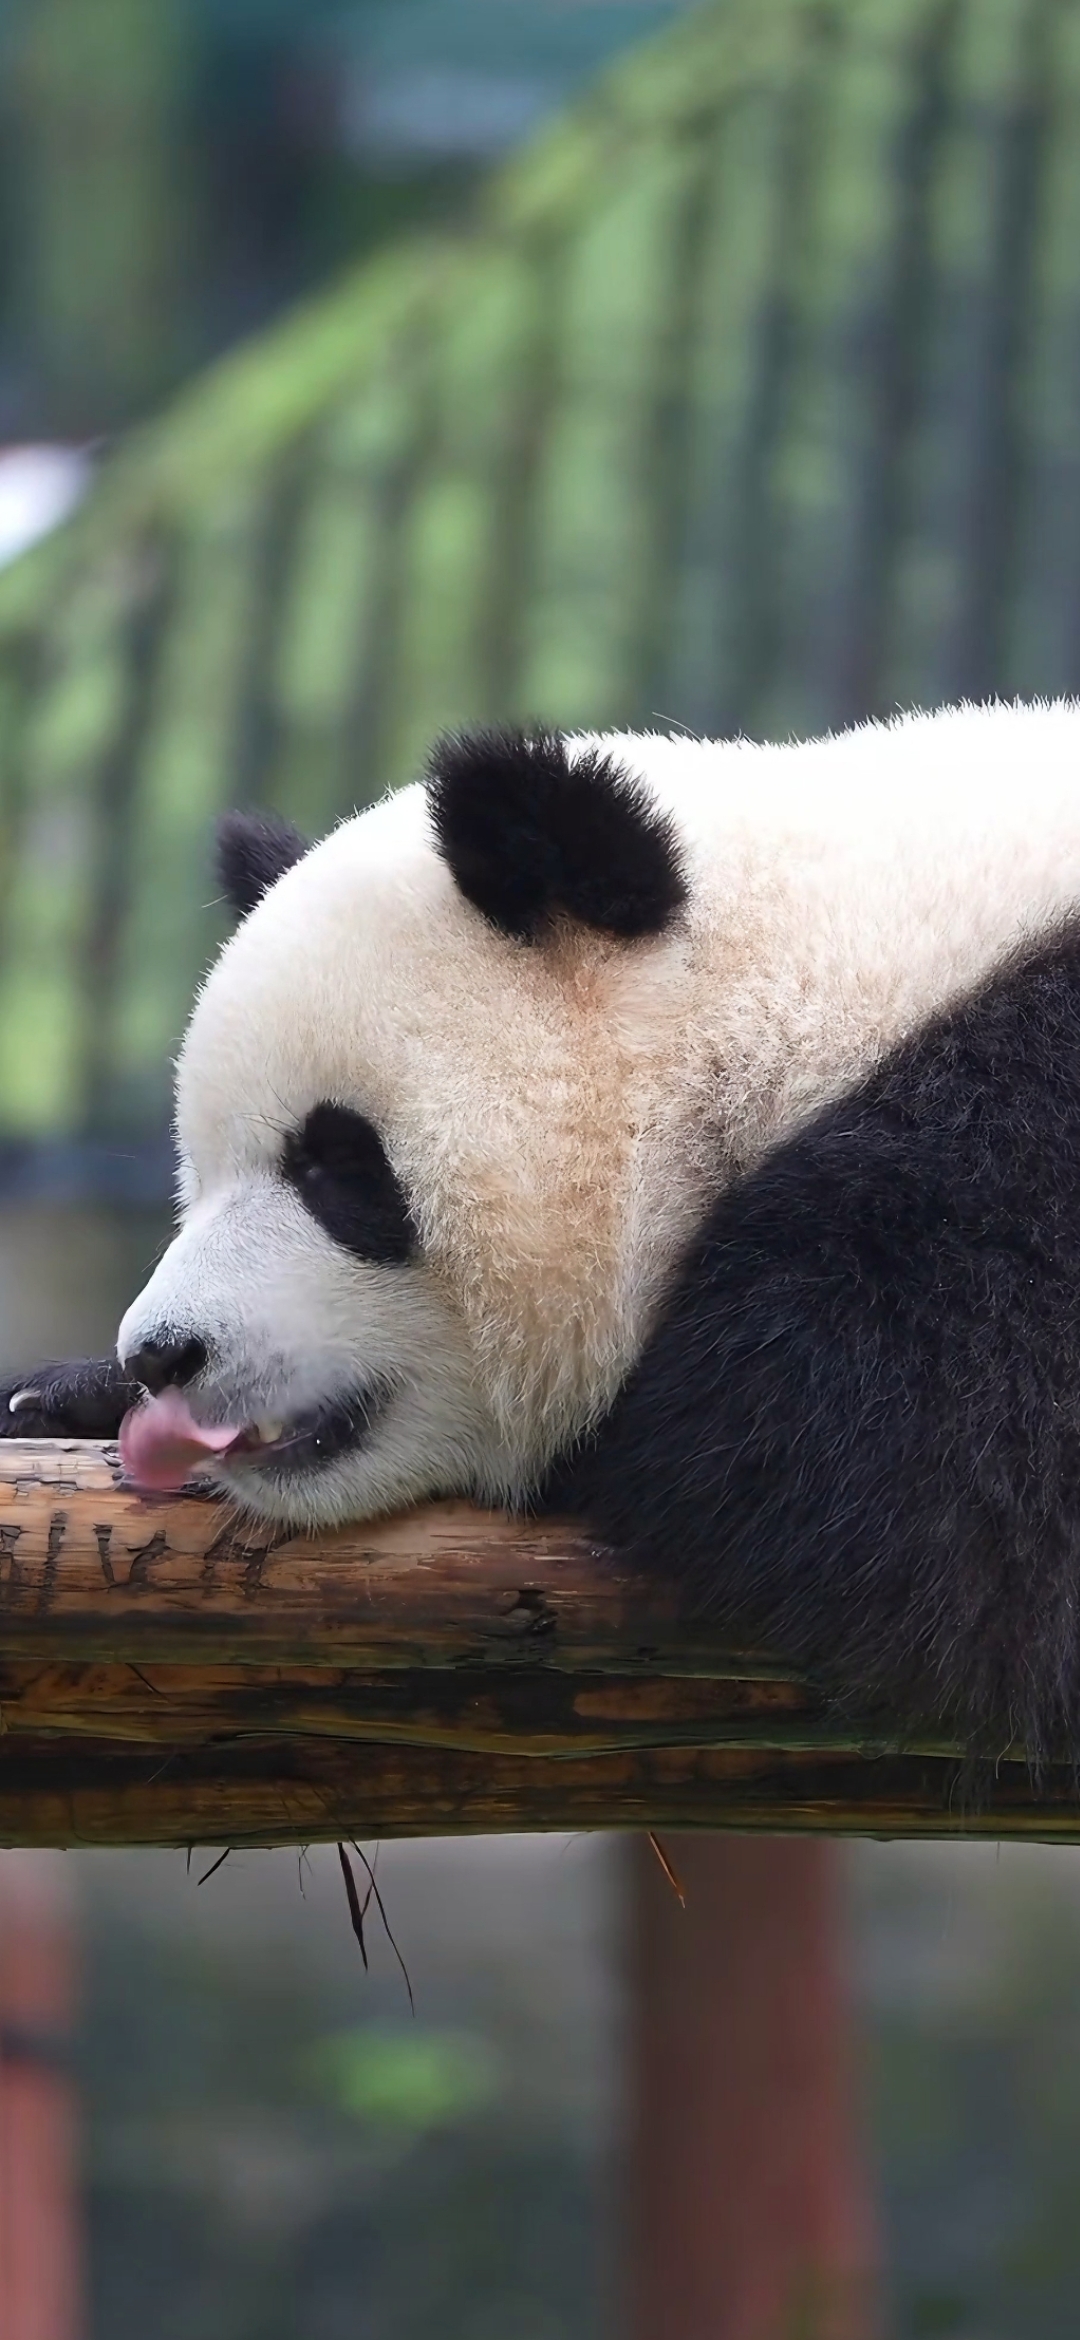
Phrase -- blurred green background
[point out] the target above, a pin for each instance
(742, 395)
(400, 362)
(276, 2151)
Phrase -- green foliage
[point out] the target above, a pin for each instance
(412, 2081)
(94, 94)
(747, 400)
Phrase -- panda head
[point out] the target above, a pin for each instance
(420, 1107)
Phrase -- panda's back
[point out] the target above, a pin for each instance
(844, 890)
(854, 1432)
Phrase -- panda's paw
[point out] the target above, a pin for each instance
(83, 1397)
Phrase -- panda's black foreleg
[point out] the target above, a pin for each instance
(79, 1397)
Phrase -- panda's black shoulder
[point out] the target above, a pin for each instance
(854, 1430)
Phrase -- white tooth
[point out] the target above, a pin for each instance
(269, 1432)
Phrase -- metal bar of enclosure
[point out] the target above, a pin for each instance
(169, 1675)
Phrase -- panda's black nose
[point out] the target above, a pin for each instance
(166, 1363)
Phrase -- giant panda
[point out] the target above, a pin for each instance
(683, 1134)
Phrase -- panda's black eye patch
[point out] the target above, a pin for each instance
(340, 1169)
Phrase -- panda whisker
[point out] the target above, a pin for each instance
(673, 723)
(266, 1121)
(285, 1108)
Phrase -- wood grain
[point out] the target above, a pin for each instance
(170, 1676)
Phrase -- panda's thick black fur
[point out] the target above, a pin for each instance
(254, 849)
(530, 833)
(855, 1431)
(70, 1397)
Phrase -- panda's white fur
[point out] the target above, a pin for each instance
(560, 1112)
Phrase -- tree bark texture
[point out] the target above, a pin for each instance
(168, 1675)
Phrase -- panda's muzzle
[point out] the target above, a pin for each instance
(163, 1447)
(318, 1436)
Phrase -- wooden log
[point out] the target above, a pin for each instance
(89, 1570)
(170, 1676)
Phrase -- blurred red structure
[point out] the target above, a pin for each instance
(749, 2214)
(40, 2256)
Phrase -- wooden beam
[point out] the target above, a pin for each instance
(170, 1676)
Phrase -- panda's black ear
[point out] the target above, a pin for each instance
(530, 829)
(254, 849)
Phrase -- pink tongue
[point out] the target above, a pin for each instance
(161, 1443)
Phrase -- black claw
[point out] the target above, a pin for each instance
(83, 1398)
